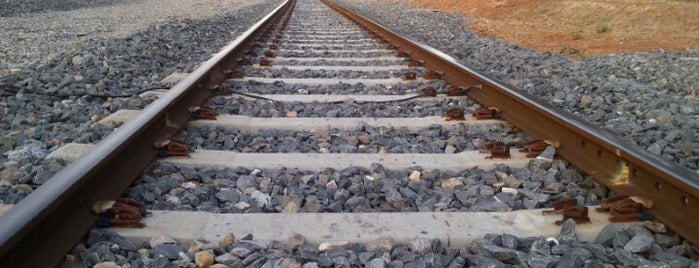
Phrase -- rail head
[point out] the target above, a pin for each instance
(43, 227)
(672, 190)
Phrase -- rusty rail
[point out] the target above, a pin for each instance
(673, 190)
(40, 229)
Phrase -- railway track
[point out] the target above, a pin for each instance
(314, 114)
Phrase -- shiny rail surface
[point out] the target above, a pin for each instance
(39, 230)
(672, 190)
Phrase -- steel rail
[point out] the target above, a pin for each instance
(43, 227)
(673, 190)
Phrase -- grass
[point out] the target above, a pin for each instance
(604, 28)
(573, 53)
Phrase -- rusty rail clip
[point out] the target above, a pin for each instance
(401, 54)
(486, 113)
(461, 91)
(252, 53)
(219, 90)
(432, 75)
(273, 46)
(561, 205)
(414, 63)
(236, 74)
(203, 113)
(245, 61)
(455, 114)
(428, 91)
(624, 209)
(265, 62)
(269, 54)
(570, 209)
(534, 148)
(122, 213)
(410, 76)
(578, 213)
(172, 147)
(498, 150)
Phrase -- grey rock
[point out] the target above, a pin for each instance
(364, 257)
(244, 182)
(624, 257)
(324, 260)
(655, 227)
(541, 261)
(241, 252)
(432, 259)
(607, 234)
(568, 235)
(396, 264)
(417, 263)
(639, 243)
(667, 240)
(228, 196)
(226, 258)
(540, 246)
(500, 253)
(310, 265)
(457, 261)
(510, 241)
(386, 244)
(636, 229)
(575, 258)
(600, 252)
(484, 261)
(620, 240)
(672, 259)
(170, 251)
(376, 263)
(561, 249)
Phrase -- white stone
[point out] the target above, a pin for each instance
(161, 239)
(451, 183)
(415, 175)
(328, 246)
(509, 190)
(108, 264)
(188, 185)
(242, 205)
(332, 185)
(263, 200)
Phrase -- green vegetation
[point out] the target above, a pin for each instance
(604, 28)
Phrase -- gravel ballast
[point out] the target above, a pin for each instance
(365, 139)
(356, 189)
(649, 98)
(48, 102)
(347, 108)
(279, 87)
(615, 246)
